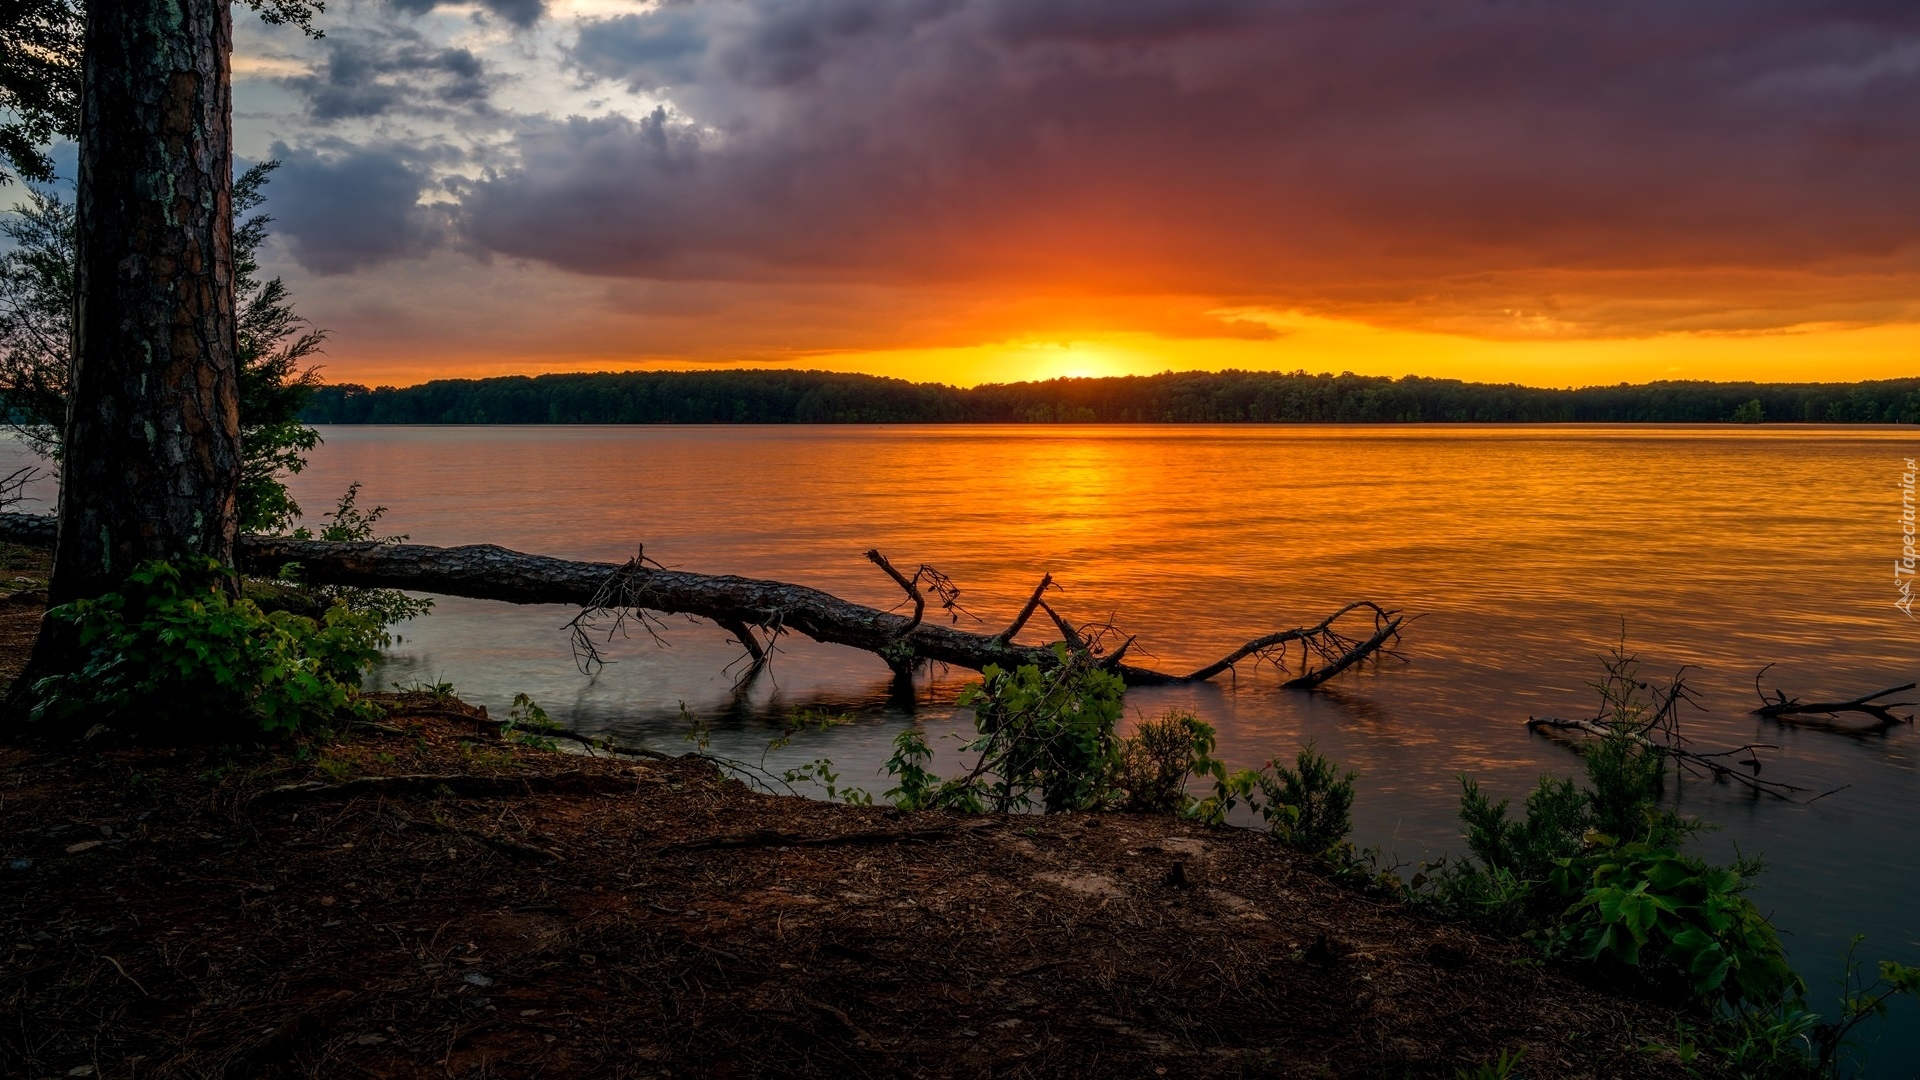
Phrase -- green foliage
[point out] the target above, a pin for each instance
(350, 524)
(820, 771)
(1674, 915)
(441, 692)
(274, 343)
(807, 720)
(40, 51)
(1156, 761)
(42, 43)
(1627, 769)
(1504, 885)
(1045, 732)
(1308, 807)
(1788, 1040)
(172, 652)
(529, 725)
(36, 318)
(698, 731)
(918, 787)
(1750, 412)
(1557, 817)
(1045, 740)
(1595, 875)
(1501, 1068)
(1860, 1001)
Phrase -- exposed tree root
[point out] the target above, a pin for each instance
(775, 838)
(504, 845)
(463, 784)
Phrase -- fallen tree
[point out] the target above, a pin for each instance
(757, 612)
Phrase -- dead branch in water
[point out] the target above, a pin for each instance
(622, 595)
(610, 594)
(1026, 612)
(1707, 766)
(1781, 707)
(1624, 715)
(1337, 651)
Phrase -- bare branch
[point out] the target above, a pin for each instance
(1067, 632)
(1781, 707)
(744, 634)
(1324, 640)
(912, 591)
(1708, 765)
(1026, 612)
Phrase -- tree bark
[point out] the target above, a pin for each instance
(151, 462)
(487, 572)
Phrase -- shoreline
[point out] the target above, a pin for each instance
(296, 910)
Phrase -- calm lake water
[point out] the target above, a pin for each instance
(1524, 550)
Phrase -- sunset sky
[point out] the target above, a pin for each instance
(1554, 193)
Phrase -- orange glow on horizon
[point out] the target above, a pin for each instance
(1301, 342)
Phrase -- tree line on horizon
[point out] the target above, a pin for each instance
(759, 396)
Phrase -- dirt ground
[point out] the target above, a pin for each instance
(426, 900)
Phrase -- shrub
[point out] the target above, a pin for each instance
(1308, 807)
(172, 650)
(1045, 739)
(919, 788)
(1044, 732)
(1675, 917)
(528, 724)
(1505, 883)
(1155, 762)
(349, 524)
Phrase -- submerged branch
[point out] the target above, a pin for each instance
(1336, 650)
(1705, 765)
(1778, 706)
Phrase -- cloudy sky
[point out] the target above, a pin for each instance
(1551, 191)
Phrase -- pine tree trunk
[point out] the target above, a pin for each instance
(151, 461)
(152, 450)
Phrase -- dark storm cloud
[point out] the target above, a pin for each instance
(1305, 151)
(656, 49)
(1111, 21)
(341, 208)
(370, 74)
(520, 13)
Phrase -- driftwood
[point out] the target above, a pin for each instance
(1657, 724)
(640, 588)
(1778, 706)
(1717, 765)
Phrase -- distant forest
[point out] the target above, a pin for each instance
(824, 397)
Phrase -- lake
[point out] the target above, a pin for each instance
(1525, 551)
